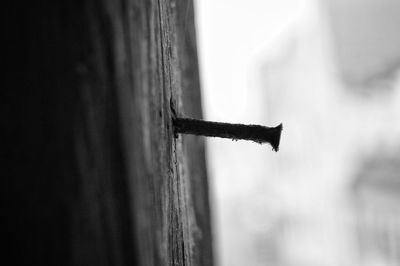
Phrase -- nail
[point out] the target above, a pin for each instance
(256, 133)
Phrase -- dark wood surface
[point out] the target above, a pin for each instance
(94, 175)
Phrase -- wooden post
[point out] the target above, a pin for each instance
(94, 172)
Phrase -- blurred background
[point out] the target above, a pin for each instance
(329, 71)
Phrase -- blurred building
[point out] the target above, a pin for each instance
(329, 71)
(367, 41)
(334, 82)
(376, 196)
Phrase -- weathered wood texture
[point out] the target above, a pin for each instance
(94, 171)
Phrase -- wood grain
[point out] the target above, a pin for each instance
(93, 169)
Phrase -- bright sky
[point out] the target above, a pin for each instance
(231, 37)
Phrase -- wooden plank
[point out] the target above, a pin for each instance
(95, 172)
(193, 148)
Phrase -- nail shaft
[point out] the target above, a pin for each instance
(256, 133)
